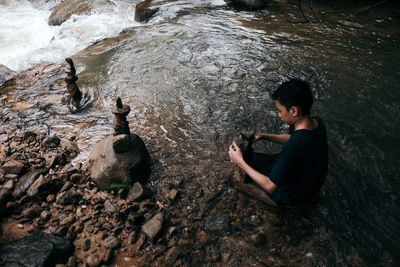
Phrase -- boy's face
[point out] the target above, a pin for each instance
(287, 116)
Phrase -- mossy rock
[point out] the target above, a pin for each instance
(66, 9)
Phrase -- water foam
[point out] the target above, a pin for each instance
(26, 39)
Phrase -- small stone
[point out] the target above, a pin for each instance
(75, 178)
(109, 207)
(152, 228)
(50, 198)
(132, 238)
(138, 192)
(309, 254)
(68, 220)
(86, 245)
(51, 141)
(107, 256)
(20, 226)
(13, 166)
(45, 215)
(93, 260)
(173, 194)
(32, 211)
(111, 242)
(9, 185)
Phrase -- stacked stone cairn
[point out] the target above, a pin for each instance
(75, 95)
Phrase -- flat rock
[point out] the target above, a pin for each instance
(38, 250)
(153, 227)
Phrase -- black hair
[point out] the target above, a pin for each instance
(295, 92)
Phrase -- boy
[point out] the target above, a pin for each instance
(299, 170)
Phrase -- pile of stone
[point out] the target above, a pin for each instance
(42, 191)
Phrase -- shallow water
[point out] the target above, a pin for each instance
(199, 73)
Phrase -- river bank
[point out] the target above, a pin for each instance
(194, 80)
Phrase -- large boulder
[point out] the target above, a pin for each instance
(249, 4)
(121, 158)
(37, 250)
(67, 8)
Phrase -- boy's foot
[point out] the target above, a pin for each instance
(239, 181)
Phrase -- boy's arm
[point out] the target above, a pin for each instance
(276, 138)
(262, 180)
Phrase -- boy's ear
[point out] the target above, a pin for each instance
(295, 110)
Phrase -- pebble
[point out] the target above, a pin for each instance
(309, 254)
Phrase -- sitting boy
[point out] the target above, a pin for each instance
(294, 176)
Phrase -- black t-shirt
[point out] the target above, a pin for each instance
(301, 167)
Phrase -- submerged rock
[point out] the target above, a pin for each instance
(130, 166)
(37, 250)
(67, 8)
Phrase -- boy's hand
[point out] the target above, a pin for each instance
(257, 136)
(235, 154)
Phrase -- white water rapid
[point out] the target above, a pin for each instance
(26, 39)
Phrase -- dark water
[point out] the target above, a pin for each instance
(196, 79)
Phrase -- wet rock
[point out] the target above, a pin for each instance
(111, 242)
(37, 250)
(138, 192)
(13, 166)
(51, 141)
(6, 76)
(67, 8)
(248, 4)
(217, 223)
(69, 197)
(107, 166)
(152, 228)
(26, 181)
(143, 12)
(69, 145)
(32, 212)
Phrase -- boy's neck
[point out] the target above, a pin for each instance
(305, 123)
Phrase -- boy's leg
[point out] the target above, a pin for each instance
(238, 179)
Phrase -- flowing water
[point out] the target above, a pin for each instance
(199, 73)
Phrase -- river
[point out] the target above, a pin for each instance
(200, 72)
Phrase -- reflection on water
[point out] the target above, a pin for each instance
(195, 80)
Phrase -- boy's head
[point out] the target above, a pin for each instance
(294, 93)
